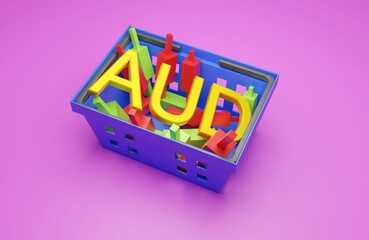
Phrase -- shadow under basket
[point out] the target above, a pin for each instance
(182, 160)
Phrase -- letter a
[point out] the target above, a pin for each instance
(110, 77)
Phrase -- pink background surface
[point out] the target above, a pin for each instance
(305, 173)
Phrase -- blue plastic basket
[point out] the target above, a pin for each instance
(200, 167)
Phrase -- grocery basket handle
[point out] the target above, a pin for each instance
(245, 70)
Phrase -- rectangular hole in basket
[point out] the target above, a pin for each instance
(180, 157)
(182, 169)
(235, 108)
(202, 177)
(129, 137)
(240, 89)
(132, 150)
(114, 143)
(154, 59)
(201, 165)
(109, 130)
(222, 82)
(220, 102)
(173, 86)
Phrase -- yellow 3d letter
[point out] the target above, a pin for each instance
(110, 77)
(216, 92)
(191, 102)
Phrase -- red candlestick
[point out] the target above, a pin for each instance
(168, 57)
(190, 68)
(221, 143)
(137, 118)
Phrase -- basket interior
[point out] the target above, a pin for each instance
(214, 69)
